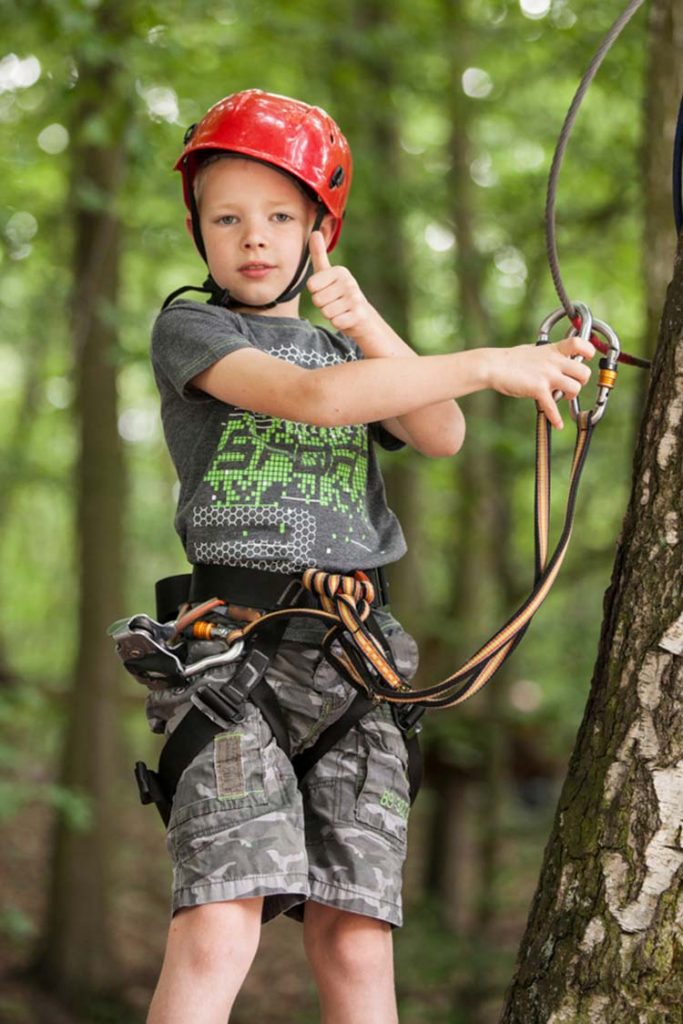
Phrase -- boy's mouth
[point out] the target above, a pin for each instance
(256, 269)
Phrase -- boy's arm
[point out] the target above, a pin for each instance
(437, 429)
(386, 387)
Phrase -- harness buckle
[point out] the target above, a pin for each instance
(151, 790)
(225, 704)
(407, 718)
(291, 595)
(223, 707)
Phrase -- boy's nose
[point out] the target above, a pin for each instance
(253, 237)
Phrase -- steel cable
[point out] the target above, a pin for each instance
(565, 133)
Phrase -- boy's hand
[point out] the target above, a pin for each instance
(540, 371)
(335, 291)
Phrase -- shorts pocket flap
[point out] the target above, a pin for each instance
(383, 802)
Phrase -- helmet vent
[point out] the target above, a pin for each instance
(337, 177)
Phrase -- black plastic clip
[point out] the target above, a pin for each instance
(223, 707)
(149, 785)
(407, 718)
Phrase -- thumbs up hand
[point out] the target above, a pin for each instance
(318, 250)
(335, 291)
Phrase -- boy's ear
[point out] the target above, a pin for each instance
(190, 230)
(327, 228)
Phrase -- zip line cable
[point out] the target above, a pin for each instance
(565, 133)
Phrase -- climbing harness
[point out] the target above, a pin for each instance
(345, 600)
(155, 653)
(207, 604)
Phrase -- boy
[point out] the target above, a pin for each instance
(265, 417)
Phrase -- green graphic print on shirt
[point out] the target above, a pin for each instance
(274, 483)
(262, 460)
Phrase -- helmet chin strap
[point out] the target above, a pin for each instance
(223, 297)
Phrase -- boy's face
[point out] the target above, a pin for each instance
(254, 224)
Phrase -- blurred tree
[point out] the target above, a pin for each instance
(602, 938)
(475, 548)
(78, 955)
(365, 58)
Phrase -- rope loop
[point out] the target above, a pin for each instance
(333, 588)
(350, 644)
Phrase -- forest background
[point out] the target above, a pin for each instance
(452, 110)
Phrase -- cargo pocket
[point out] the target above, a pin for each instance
(383, 802)
(230, 781)
(238, 767)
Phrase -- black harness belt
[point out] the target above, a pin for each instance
(254, 588)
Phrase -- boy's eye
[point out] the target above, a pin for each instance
(282, 218)
(227, 218)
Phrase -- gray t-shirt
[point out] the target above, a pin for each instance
(259, 491)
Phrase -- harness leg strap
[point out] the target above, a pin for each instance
(303, 762)
(213, 710)
(406, 719)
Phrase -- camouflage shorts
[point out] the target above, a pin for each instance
(241, 827)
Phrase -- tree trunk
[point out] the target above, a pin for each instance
(77, 955)
(603, 942)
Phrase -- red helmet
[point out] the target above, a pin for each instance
(290, 135)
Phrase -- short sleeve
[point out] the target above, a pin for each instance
(384, 438)
(188, 338)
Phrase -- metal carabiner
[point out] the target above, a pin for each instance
(559, 314)
(214, 660)
(581, 310)
(609, 365)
